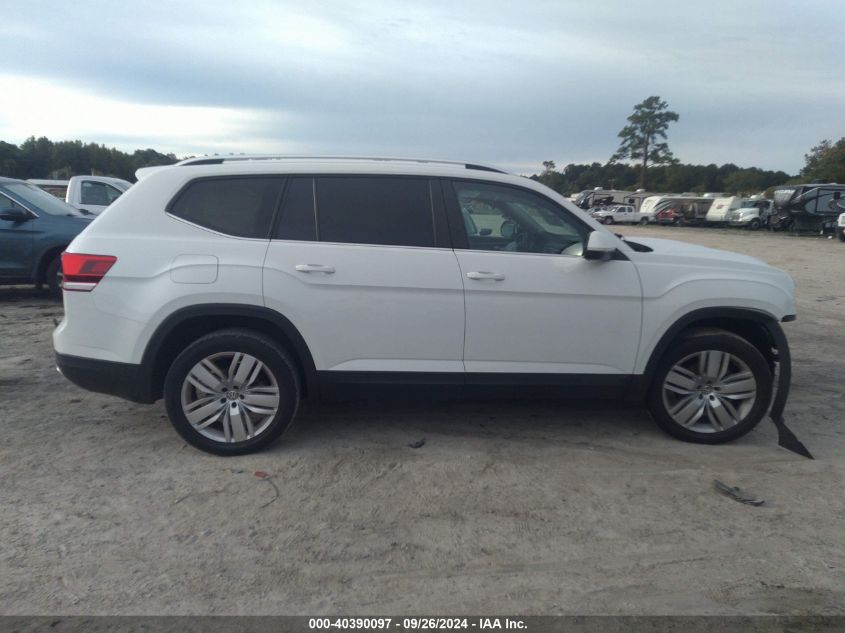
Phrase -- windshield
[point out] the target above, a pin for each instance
(39, 200)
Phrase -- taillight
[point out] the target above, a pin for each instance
(83, 272)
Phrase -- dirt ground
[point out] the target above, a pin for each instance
(529, 508)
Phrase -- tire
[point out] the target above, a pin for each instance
(754, 224)
(688, 393)
(679, 222)
(269, 379)
(643, 221)
(608, 220)
(842, 235)
(53, 277)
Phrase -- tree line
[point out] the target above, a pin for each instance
(43, 158)
(643, 140)
(676, 178)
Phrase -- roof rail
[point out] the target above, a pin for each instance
(219, 160)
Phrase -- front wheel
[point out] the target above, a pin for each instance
(842, 235)
(754, 224)
(232, 392)
(608, 220)
(711, 387)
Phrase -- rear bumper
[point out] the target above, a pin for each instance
(123, 380)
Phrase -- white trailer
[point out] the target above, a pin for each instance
(718, 212)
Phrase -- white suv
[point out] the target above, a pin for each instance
(234, 287)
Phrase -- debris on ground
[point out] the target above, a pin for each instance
(418, 444)
(269, 478)
(737, 494)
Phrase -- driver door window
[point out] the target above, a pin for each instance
(499, 218)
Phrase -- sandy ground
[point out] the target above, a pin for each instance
(530, 508)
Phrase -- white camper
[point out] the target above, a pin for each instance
(718, 212)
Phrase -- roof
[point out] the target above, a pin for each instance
(334, 160)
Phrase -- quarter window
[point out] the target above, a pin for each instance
(375, 210)
(242, 207)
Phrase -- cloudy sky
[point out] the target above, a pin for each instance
(757, 83)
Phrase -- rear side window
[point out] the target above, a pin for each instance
(372, 210)
(98, 193)
(242, 207)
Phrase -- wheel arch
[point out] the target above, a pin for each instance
(757, 327)
(188, 324)
(44, 258)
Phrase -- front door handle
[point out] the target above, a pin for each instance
(485, 275)
(315, 268)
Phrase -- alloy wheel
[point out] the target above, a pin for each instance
(709, 391)
(230, 397)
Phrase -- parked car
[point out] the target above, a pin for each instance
(35, 228)
(234, 287)
(619, 214)
(89, 194)
(754, 213)
(677, 209)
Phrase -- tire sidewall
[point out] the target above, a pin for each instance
(262, 348)
(52, 277)
(725, 343)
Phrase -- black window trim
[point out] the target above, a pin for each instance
(456, 224)
(168, 208)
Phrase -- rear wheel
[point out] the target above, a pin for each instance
(53, 277)
(232, 392)
(643, 221)
(711, 387)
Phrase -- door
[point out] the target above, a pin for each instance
(16, 240)
(362, 266)
(533, 304)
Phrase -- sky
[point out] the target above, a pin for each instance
(755, 82)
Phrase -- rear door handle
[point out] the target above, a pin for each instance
(485, 275)
(315, 268)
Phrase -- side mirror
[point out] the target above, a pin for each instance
(600, 246)
(14, 215)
